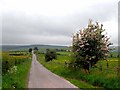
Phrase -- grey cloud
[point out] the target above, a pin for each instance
(119, 23)
(21, 28)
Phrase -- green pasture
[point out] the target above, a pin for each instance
(0, 70)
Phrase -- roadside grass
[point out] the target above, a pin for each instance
(58, 67)
(0, 70)
(96, 78)
(16, 78)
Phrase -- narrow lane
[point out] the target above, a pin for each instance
(40, 77)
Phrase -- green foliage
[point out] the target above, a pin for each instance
(9, 61)
(35, 48)
(30, 50)
(15, 71)
(50, 55)
(18, 79)
(89, 46)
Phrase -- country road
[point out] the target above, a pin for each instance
(40, 77)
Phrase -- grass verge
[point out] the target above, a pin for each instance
(58, 68)
(96, 78)
(17, 78)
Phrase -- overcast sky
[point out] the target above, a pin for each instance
(54, 21)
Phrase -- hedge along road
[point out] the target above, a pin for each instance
(40, 77)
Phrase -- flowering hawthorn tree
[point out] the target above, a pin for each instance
(90, 45)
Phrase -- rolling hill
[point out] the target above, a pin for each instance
(26, 47)
(42, 47)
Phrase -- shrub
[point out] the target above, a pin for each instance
(30, 50)
(50, 55)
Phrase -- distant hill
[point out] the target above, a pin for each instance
(26, 47)
(42, 47)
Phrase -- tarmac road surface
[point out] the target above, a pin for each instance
(40, 77)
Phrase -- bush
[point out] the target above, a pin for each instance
(30, 50)
(50, 55)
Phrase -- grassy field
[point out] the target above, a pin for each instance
(0, 70)
(16, 70)
(96, 78)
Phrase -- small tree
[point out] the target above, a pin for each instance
(89, 46)
(35, 48)
(50, 55)
(30, 50)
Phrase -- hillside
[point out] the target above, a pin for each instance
(41, 47)
(26, 47)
